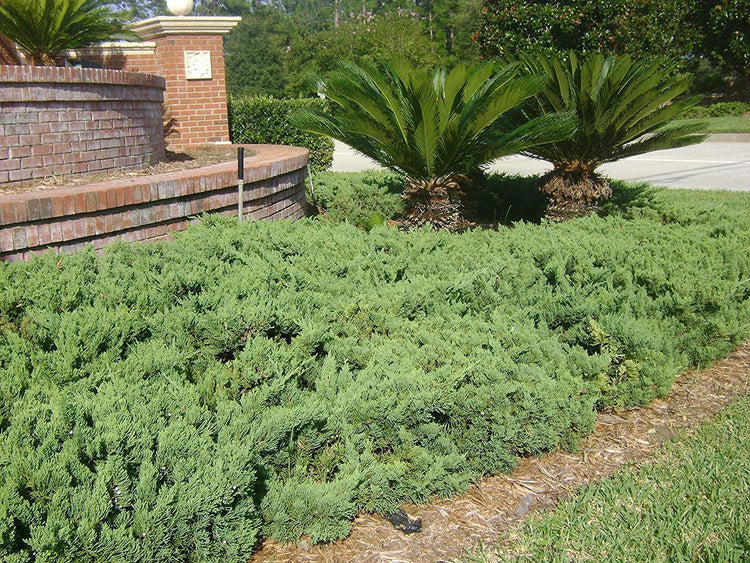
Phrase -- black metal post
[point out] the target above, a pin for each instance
(240, 181)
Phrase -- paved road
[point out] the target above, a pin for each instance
(708, 166)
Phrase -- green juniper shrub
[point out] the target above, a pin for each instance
(264, 119)
(122, 468)
(173, 401)
(357, 196)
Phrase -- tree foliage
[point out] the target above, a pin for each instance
(135, 10)
(689, 32)
(257, 53)
(621, 26)
(372, 38)
(327, 32)
(725, 33)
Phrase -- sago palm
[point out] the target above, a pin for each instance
(437, 128)
(47, 28)
(621, 106)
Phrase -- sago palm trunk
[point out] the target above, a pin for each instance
(437, 202)
(43, 59)
(573, 190)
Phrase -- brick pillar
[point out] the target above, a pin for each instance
(189, 55)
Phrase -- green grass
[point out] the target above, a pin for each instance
(691, 504)
(724, 124)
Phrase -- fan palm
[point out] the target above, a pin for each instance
(46, 28)
(435, 128)
(621, 106)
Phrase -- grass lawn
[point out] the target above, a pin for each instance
(691, 504)
(180, 400)
(725, 124)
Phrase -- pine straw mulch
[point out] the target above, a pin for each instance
(493, 505)
(195, 157)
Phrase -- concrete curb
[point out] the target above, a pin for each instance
(728, 138)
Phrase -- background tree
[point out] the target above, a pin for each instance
(724, 32)
(451, 25)
(257, 52)
(373, 38)
(643, 27)
(135, 10)
(324, 32)
(132, 10)
(708, 37)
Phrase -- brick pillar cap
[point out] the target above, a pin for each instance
(184, 25)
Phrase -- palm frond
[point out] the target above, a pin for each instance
(47, 28)
(431, 125)
(619, 105)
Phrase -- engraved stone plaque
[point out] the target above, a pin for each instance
(197, 65)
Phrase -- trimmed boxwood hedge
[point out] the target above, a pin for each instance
(173, 401)
(266, 120)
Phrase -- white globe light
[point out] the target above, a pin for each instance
(180, 7)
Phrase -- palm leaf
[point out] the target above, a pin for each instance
(619, 103)
(47, 28)
(431, 125)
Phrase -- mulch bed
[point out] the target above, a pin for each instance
(495, 504)
(174, 162)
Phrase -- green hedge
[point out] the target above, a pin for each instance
(172, 401)
(266, 120)
(720, 109)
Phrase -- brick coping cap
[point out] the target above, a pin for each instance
(74, 75)
(264, 155)
(184, 25)
(116, 48)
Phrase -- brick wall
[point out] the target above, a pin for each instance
(151, 207)
(56, 121)
(122, 61)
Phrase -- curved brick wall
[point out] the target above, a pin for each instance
(151, 207)
(56, 121)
